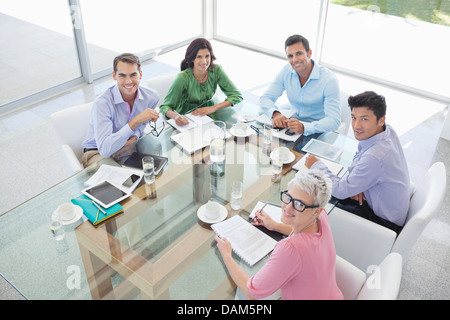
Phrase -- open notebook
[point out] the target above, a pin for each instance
(194, 121)
(247, 241)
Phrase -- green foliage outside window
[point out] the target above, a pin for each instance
(434, 11)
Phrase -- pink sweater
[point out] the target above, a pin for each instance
(302, 266)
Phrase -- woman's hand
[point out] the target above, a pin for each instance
(224, 247)
(204, 111)
(263, 219)
(179, 119)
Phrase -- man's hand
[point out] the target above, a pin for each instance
(279, 121)
(295, 125)
(359, 197)
(144, 116)
(310, 160)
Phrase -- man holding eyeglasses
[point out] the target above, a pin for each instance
(120, 114)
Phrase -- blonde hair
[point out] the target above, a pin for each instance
(315, 183)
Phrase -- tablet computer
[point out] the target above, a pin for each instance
(135, 161)
(105, 194)
(322, 149)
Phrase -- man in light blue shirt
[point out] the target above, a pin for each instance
(377, 186)
(312, 90)
(120, 114)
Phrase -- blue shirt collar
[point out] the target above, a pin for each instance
(365, 144)
(118, 97)
(315, 72)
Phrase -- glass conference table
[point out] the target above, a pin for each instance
(157, 248)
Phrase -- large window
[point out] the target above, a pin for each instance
(266, 24)
(138, 26)
(37, 49)
(404, 42)
(50, 45)
(399, 43)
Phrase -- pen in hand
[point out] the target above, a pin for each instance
(260, 210)
(183, 119)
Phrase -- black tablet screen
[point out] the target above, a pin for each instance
(106, 192)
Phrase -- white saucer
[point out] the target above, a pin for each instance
(248, 118)
(222, 215)
(288, 160)
(247, 132)
(78, 215)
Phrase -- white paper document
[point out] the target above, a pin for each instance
(247, 241)
(281, 134)
(115, 175)
(195, 139)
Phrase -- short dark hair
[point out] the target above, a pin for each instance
(192, 50)
(127, 58)
(295, 39)
(371, 100)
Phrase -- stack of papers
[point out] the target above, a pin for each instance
(116, 176)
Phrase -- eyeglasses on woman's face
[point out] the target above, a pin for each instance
(297, 204)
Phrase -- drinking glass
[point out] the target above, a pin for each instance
(57, 230)
(217, 141)
(267, 133)
(277, 167)
(236, 195)
(149, 169)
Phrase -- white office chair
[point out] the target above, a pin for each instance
(364, 243)
(382, 284)
(425, 202)
(162, 85)
(72, 125)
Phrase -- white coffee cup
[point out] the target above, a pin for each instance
(240, 128)
(283, 153)
(66, 211)
(212, 210)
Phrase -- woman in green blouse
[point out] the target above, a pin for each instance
(196, 84)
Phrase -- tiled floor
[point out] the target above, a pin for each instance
(30, 153)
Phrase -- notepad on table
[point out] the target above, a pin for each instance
(194, 121)
(247, 241)
(273, 210)
(195, 139)
(93, 213)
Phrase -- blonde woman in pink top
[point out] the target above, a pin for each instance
(303, 264)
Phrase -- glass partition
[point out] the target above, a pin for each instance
(38, 48)
(138, 26)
